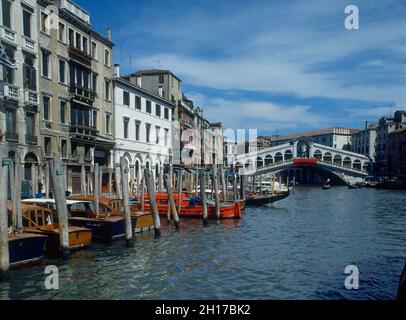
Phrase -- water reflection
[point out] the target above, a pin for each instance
(294, 249)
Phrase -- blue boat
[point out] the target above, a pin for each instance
(26, 249)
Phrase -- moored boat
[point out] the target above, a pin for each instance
(42, 221)
(26, 249)
(191, 207)
(260, 200)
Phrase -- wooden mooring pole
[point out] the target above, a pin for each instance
(58, 187)
(216, 192)
(126, 201)
(149, 179)
(171, 204)
(17, 214)
(180, 178)
(96, 192)
(4, 253)
(202, 182)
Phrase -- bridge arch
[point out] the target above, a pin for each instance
(327, 157)
(278, 157)
(347, 162)
(318, 155)
(268, 160)
(260, 162)
(338, 159)
(288, 155)
(357, 164)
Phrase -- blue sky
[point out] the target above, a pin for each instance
(278, 66)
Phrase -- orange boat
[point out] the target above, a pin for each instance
(192, 207)
(39, 220)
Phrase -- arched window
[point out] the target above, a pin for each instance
(268, 160)
(29, 74)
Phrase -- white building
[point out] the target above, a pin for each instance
(143, 124)
(363, 142)
(19, 98)
(338, 138)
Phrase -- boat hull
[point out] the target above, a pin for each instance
(102, 229)
(26, 249)
(78, 238)
(261, 201)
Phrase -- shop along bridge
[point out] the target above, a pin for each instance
(348, 167)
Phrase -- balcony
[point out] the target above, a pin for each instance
(31, 97)
(8, 34)
(83, 94)
(12, 92)
(29, 44)
(12, 137)
(80, 55)
(83, 131)
(31, 140)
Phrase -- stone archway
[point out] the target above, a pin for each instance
(318, 155)
(328, 157)
(278, 157)
(268, 160)
(260, 162)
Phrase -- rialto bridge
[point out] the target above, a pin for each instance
(345, 166)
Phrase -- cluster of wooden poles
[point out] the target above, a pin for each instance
(11, 178)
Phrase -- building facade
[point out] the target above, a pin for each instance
(338, 138)
(386, 126)
(143, 126)
(363, 142)
(19, 103)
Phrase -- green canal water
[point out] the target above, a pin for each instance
(295, 249)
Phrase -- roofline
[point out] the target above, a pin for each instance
(150, 72)
(146, 92)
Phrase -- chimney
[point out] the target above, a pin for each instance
(117, 70)
(109, 33)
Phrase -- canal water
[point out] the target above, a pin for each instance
(295, 249)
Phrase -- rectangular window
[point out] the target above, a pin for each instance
(108, 119)
(125, 127)
(148, 132)
(45, 64)
(71, 38)
(94, 50)
(6, 5)
(85, 45)
(64, 148)
(137, 130)
(48, 146)
(166, 137)
(27, 23)
(160, 91)
(8, 73)
(63, 110)
(161, 78)
(78, 41)
(94, 83)
(126, 98)
(157, 134)
(149, 106)
(30, 123)
(61, 32)
(107, 89)
(166, 114)
(62, 71)
(157, 110)
(44, 18)
(95, 124)
(46, 107)
(138, 102)
(107, 57)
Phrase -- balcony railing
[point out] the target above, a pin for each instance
(12, 137)
(80, 129)
(12, 92)
(82, 93)
(31, 140)
(29, 44)
(8, 34)
(31, 97)
(80, 53)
